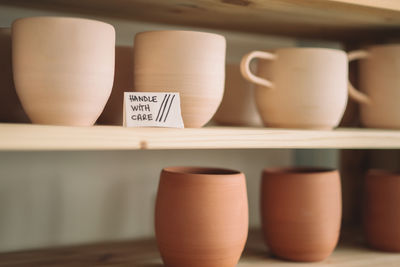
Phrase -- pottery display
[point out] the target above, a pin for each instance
(382, 210)
(301, 212)
(238, 106)
(63, 68)
(380, 85)
(10, 107)
(188, 62)
(307, 86)
(123, 82)
(201, 216)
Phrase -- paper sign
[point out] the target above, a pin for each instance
(152, 110)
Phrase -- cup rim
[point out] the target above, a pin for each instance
(196, 170)
(94, 21)
(181, 31)
(299, 170)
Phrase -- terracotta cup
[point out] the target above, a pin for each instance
(307, 86)
(382, 210)
(188, 62)
(201, 216)
(301, 212)
(123, 82)
(10, 107)
(380, 85)
(63, 68)
(238, 106)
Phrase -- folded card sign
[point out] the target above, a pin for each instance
(152, 110)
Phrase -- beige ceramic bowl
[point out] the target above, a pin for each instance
(188, 62)
(63, 68)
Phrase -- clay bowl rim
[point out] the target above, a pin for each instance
(301, 170)
(210, 34)
(196, 170)
(382, 173)
(77, 19)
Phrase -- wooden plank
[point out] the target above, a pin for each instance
(44, 137)
(327, 19)
(351, 252)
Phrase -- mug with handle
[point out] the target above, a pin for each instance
(307, 89)
(380, 83)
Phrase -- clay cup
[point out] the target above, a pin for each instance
(191, 63)
(63, 68)
(201, 216)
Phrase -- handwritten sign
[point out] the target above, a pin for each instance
(152, 110)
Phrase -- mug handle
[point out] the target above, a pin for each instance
(353, 92)
(245, 68)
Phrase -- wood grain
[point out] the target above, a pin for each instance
(44, 137)
(327, 19)
(351, 252)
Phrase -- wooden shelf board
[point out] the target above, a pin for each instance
(351, 252)
(44, 137)
(326, 19)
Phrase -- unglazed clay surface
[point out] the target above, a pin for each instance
(238, 105)
(301, 212)
(63, 68)
(382, 210)
(123, 82)
(300, 87)
(10, 107)
(191, 63)
(379, 80)
(201, 217)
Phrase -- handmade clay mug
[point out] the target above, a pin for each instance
(201, 216)
(301, 212)
(380, 83)
(382, 210)
(63, 68)
(188, 62)
(307, 86)
(238, 106)
(10, 107)
(123, 82)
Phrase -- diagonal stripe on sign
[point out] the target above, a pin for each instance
(169, 108)
(162, 103)
(165, 106)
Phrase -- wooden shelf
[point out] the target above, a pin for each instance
(42, 137)
(327, 19)
(351, 252)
